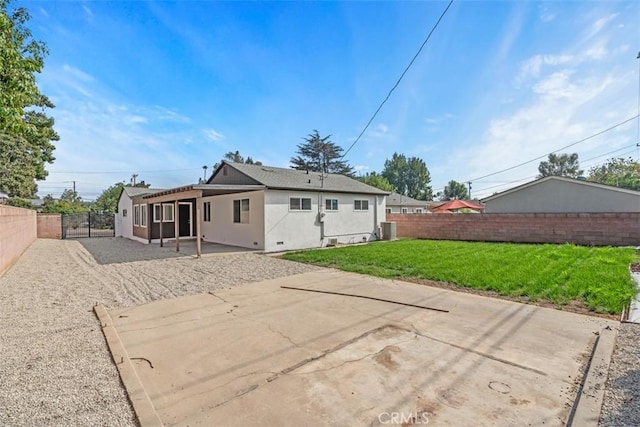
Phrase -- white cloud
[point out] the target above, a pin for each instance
(534, 65)
(213, 135)
(599, 24)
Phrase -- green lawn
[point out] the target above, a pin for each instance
(599, 277)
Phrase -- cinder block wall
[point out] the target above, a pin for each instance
(49, 226)
(18, 229)
(597, 229)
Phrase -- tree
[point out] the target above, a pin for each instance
(319, 154)
(560, 165)
(107, 201)
(454, 190)
(409, 176)
(26, 132)
(620, 172)
(237, 158)
(69, 203)
(376, 180)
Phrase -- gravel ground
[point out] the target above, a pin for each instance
(621, 406)
(55, 367)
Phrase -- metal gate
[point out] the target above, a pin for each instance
(88, 224)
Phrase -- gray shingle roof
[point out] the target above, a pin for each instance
(395, 199)
(139, 191)
(291, 179)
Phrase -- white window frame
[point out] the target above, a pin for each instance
(329, 206)
(244, 211)
(419, 210)
(156, 212)
(206, 211)
(136, 215)
(168, 216)
(301, 204)
(124, 213)
(404, 210)
(143, 215)
(388, 210)
(360, 202)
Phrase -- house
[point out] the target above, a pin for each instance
(124, 221)
(3, 196)
(555, 194)
(458, 206)
(398, 203)
(259, 207)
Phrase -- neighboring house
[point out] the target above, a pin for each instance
(555, 194)
(260, 207)
(124, 223)
(458, 206)
(398, 203)
(3, 197)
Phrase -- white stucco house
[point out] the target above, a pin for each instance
(260, 207)
(555, 194)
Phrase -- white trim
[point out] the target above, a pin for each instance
(136, 215)
(206, 211)
(164, 214)
(155, 218)
(143, 215)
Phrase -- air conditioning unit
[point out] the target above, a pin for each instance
(332, 241)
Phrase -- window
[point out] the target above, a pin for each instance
(206, 211)
(299, 204)
(143, 215)
(136, 215)
(331, 204)
(167, 212)
(404, 210)
(388, 210)
(361, 205)
(241, 211)
(156, 212)
(418, 210)
(124, 212)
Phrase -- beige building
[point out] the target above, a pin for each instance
(397, 203)
(555, 194)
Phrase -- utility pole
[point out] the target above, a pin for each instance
(469, 182)
(74, 186)
(133, 178)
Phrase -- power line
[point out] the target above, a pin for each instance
(555, 151)
(400, 79)
(129, 171)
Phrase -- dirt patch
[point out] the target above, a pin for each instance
(635, 268)
(574, 306)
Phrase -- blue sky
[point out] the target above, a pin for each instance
(162, 88)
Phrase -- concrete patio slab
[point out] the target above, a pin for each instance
(263, 355)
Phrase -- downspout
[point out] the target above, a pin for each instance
(320, 219)
(375, 219)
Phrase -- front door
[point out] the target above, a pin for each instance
(185, 219)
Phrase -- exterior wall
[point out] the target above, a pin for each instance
(597, 229)
(556, 196)
(229, 175)
(222, 229)
(124, 224)
(290, 230)
(18, 229)
(396, 209)
(49, 226)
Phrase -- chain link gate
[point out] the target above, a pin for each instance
(88, 224)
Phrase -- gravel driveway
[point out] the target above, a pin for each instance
(55, 368)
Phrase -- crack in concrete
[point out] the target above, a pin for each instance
(218, 296)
